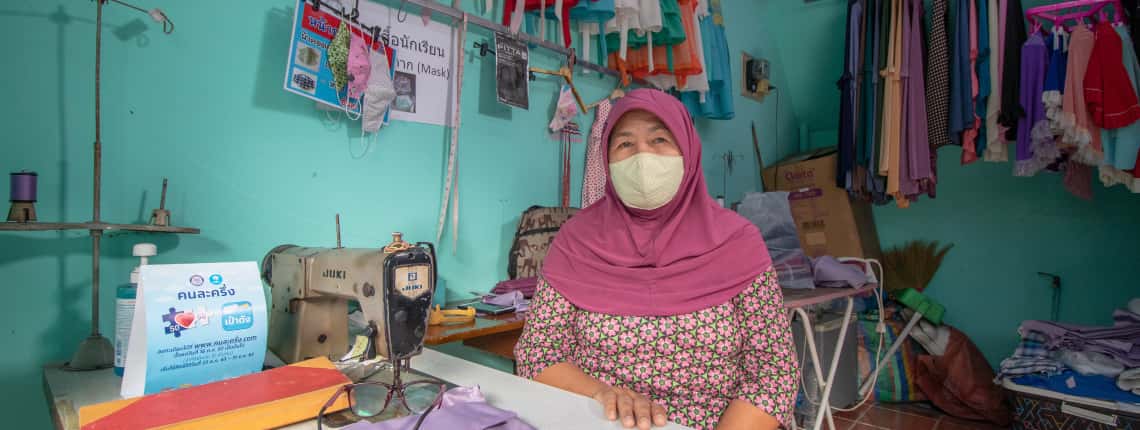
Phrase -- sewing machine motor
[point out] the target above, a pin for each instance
(311, 288)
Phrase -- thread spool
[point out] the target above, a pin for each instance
(23, 197)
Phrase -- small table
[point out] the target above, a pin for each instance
(496, 334)
(795, 301)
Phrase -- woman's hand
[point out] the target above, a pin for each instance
(633, 408)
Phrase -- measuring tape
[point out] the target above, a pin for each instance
(453, 153)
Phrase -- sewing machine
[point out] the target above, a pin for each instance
(311, 288)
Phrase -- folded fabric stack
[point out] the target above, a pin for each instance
(1030, 357)
(1100, 355)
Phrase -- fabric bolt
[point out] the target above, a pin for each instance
(961, 80)
(938, 76)
(694, 252)
(1109, 94)
(970, 134)
(847, 95)
(1080, 132)
(1015, 37)
(994, 133)
(693, 363)
(1033, 64)
(1122, 145)
(594, 178)
(916, 175)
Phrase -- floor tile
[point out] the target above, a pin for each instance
(840, 424)
(897, 420)
(919, 408)
(952, 423)
(857, 413)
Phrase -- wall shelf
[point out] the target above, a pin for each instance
(94, 226)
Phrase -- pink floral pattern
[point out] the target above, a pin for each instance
(694, 364)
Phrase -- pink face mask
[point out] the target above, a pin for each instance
(359, 68)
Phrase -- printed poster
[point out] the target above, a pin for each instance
(512, 65)
(195, 324)
(421, 69)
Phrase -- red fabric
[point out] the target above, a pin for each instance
(682, 257)
(509, 7)
(960, 382)
(174, 406)
(1108, 91)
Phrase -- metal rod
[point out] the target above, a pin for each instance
(162, 203)
(481, 22)
(98, 158)
(338, 230)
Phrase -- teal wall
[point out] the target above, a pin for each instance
(1004, 229)
(254, 167)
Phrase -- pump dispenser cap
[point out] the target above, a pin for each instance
(143, 251)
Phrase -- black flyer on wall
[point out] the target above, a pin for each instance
(512, 62)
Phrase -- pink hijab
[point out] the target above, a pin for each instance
(682, 257)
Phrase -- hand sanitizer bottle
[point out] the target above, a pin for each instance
(125, 305)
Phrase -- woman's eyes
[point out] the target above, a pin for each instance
(660, 140)
(625, 145)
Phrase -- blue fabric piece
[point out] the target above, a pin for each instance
(870, 80)
(961, 81)
(983, 68)
(1057, 70)
(1093, 387)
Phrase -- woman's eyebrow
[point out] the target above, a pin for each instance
(623, 133)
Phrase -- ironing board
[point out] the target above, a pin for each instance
(796, 301)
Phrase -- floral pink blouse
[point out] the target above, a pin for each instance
(693, 364)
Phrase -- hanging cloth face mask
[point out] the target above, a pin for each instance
(379, 94)
(359, 68)
(565, 111)
(338, 56)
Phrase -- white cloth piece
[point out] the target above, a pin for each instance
(1091, 363)
(934, 339)
(1134, 306)
(626, 17)
(1129, 380)
(379, 93)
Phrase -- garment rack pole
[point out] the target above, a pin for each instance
(481, 22)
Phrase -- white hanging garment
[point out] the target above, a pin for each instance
(626, 17)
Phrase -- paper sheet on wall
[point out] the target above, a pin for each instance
(194, 324)
(421, 70)
(512, 66)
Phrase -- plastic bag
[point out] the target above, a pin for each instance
(772, 214)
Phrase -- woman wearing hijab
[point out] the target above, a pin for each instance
(656, 301)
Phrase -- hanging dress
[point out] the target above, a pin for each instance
(938, 76)
(970, 134)
(1032, 82)
(1044, 135)
(1110, 104)
(865, 128)
(916, 175)
(983, 71)
(557, 10)
(1015, 37)
(718, 102)
(1122, 145)
(961, 80)
(892, 109)
(1080, 132)
(994, 132)
(592, 16)
(847, 96)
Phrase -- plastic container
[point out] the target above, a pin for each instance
(125, 305)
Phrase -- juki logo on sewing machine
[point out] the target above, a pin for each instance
(334, 274)
(237, 316)
(175, 321)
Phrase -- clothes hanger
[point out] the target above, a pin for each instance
(617, 93)
(566, 75)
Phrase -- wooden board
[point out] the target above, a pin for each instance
(482, 326)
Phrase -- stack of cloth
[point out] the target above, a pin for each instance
(1056, 354)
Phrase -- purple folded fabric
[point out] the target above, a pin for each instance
(462, 408)
(524, 285)
(1120, 341)
(829, 272)
(513, 299)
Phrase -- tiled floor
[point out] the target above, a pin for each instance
(913, 416)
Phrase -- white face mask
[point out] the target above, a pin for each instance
(647, 181)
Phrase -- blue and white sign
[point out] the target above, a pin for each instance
(188, 332)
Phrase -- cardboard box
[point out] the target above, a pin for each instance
(829, 221)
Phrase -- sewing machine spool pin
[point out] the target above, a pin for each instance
(161, 216)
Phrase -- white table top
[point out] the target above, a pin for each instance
(539, 405)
